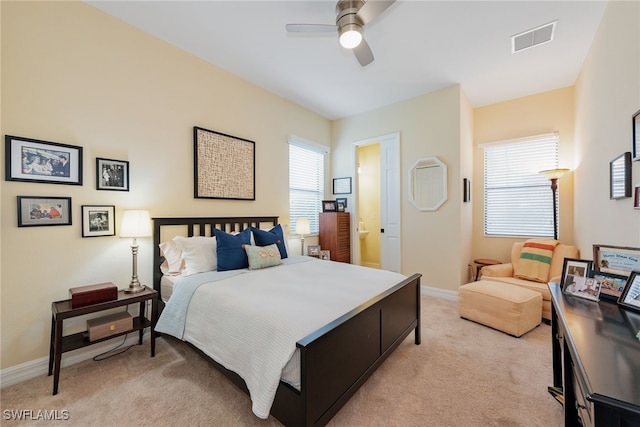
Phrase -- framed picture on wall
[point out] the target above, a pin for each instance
(224, 166)
(342, 185)
(112, 175)
(636, 135)
(38, 211)
(33, 160)
(620, 176)
(98, 220)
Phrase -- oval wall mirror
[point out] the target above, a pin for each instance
(428, 184)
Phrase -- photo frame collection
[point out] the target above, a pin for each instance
(47, 162)
(614, 275)
(620, 168)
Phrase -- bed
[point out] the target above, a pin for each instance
(336, 358)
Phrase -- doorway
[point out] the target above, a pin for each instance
(377, 202)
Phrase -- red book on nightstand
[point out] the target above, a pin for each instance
(93, 294)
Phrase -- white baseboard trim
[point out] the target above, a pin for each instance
(26, 371)
(439, 293)
(371, 264)
(34, 368)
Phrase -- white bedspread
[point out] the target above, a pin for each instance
(250, 322)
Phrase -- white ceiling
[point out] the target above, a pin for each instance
(419, 46)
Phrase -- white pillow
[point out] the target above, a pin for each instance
(198, 253)
(173, 263)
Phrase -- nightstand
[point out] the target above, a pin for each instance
(62, 310)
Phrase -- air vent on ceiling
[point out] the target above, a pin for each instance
(534, 37)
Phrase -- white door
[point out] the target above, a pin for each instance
(390, 245)
(390, 215)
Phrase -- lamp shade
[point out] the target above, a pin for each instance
(554, 173)
(302, 226)
(135, 223)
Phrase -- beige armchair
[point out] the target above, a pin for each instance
(505, 272)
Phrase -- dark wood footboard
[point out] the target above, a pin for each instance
(337, 358)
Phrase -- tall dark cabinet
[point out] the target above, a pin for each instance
(335, 235)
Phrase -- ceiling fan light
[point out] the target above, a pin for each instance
(350, 36)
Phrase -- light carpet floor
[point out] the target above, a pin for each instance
(463, 374)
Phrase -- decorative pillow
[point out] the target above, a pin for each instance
(198, 253)
(262, 256)
(172, 258)
(535, 260)
(231, 255)
(275, 235)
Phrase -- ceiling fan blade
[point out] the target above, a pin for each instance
(311, 28)
(373, 8)
(363, 53)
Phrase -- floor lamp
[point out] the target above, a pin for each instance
(554, 175)
(302, 228)
(135, 223)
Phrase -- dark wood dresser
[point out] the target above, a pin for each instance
(335, 235)
(596, 361)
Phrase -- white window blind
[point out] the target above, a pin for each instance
(518, 200)
(306, 182)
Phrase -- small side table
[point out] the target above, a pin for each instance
(62, 310)
(483, 262)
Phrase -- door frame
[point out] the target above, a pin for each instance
(395, 137)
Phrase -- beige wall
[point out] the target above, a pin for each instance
(429, 125)
(532, 115)
(74, 75)
(71, 74)
(607, 95)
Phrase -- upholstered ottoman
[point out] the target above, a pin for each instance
(507, 308)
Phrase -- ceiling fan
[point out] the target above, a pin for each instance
(351, 17)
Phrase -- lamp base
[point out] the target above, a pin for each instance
(134, 288)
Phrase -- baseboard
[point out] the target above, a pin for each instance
(34, 368)
(439, 293)
(26, 371)
(371, 264)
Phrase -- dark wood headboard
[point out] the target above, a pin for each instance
(200, 227)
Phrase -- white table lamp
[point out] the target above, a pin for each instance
(135, 223)
(302, 228)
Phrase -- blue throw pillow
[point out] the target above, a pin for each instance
(231, 255)
(266, 238)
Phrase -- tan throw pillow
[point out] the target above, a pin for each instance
(262, 256)
(535, 260)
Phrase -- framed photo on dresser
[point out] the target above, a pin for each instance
(574, 274)
(630, 297)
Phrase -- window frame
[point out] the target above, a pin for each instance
(518, 201)
(315, 207)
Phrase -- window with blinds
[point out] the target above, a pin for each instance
(306, 182)
(518, 200)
